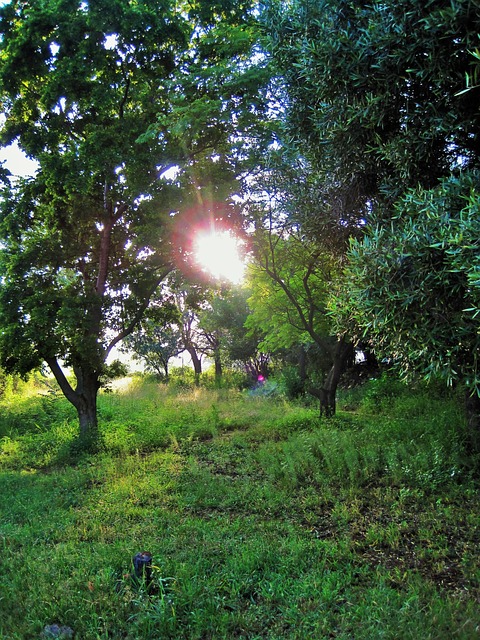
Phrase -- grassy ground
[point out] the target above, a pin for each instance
(263, 521)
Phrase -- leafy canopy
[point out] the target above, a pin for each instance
(372, 89)
(81, 83)
(375, 103)
(413, 287)
(290, 283)
(86, 242)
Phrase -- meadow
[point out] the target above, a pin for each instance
(264, 521)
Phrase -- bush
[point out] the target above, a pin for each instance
(379, 393)
(230, 379)
(181, 377)
(291, 383)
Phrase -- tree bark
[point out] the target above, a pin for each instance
(88, 385)
(328, 393)
(87, 416)
(302, 367)
(472, 410)
(83, 397)
(197, 363)
(218, 365)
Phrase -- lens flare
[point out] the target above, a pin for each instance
(218, 253)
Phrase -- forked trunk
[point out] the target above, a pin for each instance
(83, 397)
(328, 393)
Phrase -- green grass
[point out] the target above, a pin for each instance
(264, 522)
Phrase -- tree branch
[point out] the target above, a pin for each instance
(139, 314)
(65, 386)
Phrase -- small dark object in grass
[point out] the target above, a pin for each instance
(142, 566)
(58, 631)
(142, 573)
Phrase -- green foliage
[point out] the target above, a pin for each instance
(156, 340)
(235, 379)
(375, 112)
(79, 257)
(220, 100)
(472, 78)
(372, 90)
(9, 383)
(413, 288)
(31, 405)
(182, 377)
(386, 452)
(87, 240)
(299, 527)
(290, 382)
(289, 282)
(224, 319)
(116, 369)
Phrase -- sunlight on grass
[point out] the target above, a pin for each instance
(263, 520)
(121, 385)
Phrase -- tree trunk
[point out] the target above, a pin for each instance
(218, 365)
(86, 406)
(472, 410)
(197, 363)
(87, 416)
(83, 398)
(328, 393)
(302, 367)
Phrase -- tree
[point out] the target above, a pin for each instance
(189, 299)
(174, 313)
(413, 287)
(156, 339)
(87, 241)
(290, 304)
(375, 103)
(218, 116)
(201, 318)
(372, 93)
(213, 333)
(155, 346)
(223, 323)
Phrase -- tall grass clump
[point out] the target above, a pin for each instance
(152, 415)
(32, 404)
(396, 435)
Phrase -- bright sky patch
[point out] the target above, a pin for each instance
(218, 253)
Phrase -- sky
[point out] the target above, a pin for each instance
(16, 161)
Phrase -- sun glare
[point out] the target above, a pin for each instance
(218, 253)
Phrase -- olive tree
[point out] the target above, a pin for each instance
(375, 105)
(413, 287)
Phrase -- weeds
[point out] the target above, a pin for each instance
(263, 520)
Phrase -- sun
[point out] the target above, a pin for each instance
(218, 253)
